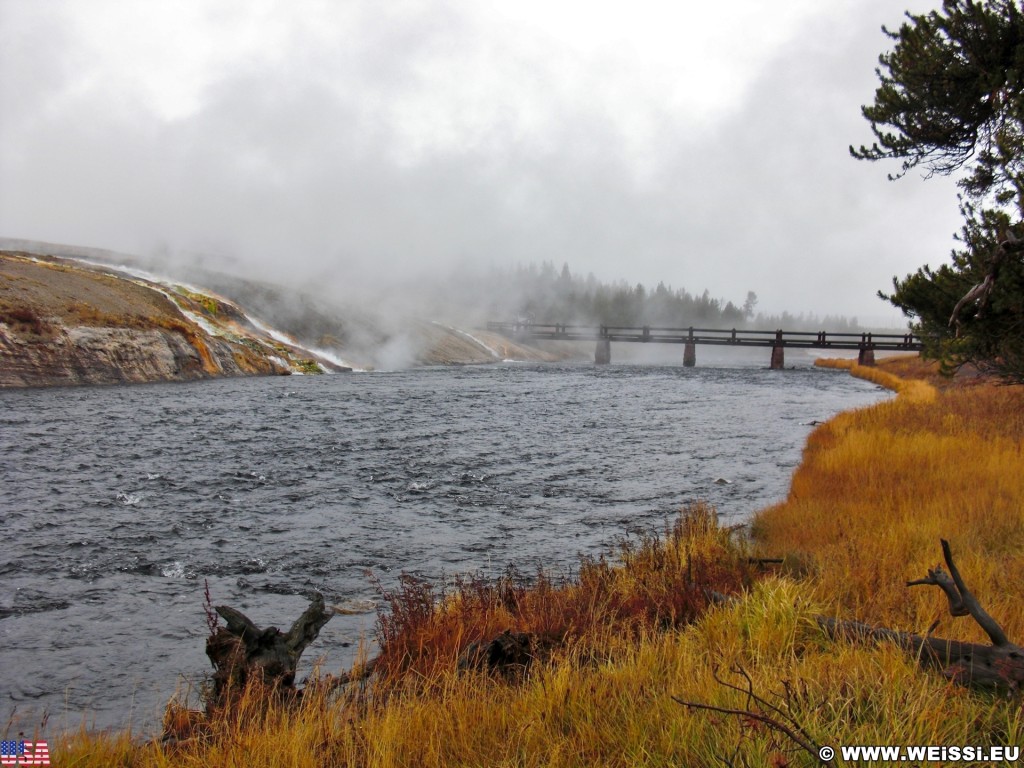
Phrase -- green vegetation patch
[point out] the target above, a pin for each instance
(208, 304)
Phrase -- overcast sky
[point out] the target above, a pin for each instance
(703, 145)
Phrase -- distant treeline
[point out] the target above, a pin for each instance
(544, 294)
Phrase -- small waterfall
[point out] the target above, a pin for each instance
(171, 290)
(470, 337)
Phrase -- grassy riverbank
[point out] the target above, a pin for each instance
(619, 647)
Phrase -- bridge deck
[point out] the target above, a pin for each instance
(727, 337)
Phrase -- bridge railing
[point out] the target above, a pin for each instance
(694, 335)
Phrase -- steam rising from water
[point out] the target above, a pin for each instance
(395, 354)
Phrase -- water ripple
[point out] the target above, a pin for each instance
(125, 500)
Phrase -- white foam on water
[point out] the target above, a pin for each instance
(173, 570)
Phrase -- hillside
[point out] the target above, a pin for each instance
(67, 321)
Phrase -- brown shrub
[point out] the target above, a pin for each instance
(24, 319)
(658, 583)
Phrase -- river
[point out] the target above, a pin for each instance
(120, 502)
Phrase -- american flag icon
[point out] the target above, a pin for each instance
(18, 753)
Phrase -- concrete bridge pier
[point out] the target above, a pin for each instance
(866, 356)
(690, 354)
(603, 353)
(778, 353)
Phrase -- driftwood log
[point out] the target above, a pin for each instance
(999, 665)
(242, 653)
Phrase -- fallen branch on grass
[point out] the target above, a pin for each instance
(999, 665)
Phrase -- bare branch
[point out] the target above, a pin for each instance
(772, 723)
(306, 628)
(985, 621)
(784, 723)
(938, 578)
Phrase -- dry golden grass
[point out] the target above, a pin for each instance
(576, 710)
(882, 485)
(876, 490)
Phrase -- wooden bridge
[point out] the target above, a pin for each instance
(865, 343)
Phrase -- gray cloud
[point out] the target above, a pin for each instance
(784, 206)
(424, 141)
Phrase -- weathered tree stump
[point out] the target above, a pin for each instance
(999, 665)
(242, 653)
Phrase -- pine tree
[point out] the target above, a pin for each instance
(951, 101)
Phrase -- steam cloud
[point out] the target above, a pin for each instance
(384, 156)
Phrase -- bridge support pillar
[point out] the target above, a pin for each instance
(690, 354)
(778, 358)
(603, 353)
(866, 356)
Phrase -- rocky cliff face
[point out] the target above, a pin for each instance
(65, 322)
(83, 355)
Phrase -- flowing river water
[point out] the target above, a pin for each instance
(120, 502)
